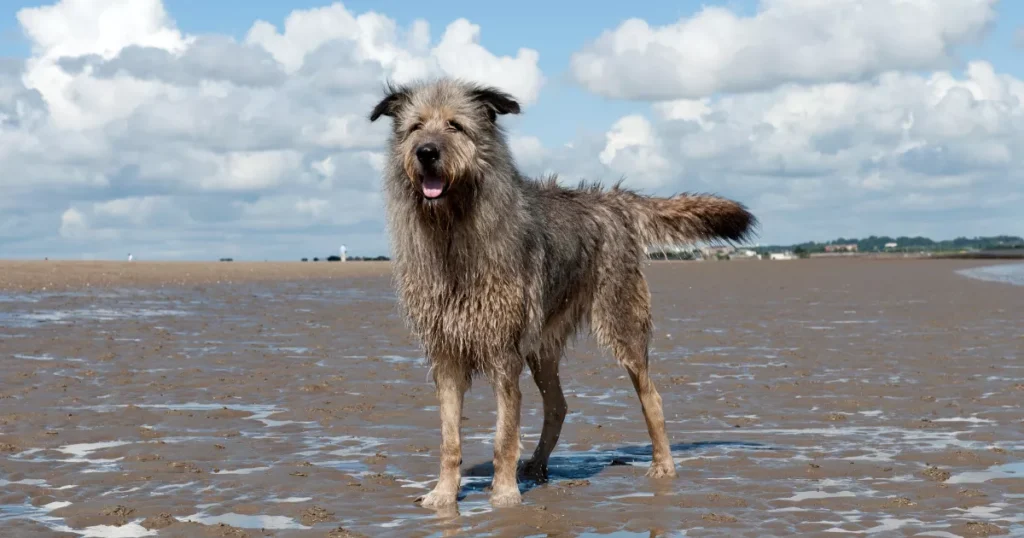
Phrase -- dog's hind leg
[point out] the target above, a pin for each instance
(544, 367)
(451, 389)
(622, 322)
(662, 464)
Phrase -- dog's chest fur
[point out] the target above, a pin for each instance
(465, 301)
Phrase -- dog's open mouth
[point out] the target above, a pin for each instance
(433, 187)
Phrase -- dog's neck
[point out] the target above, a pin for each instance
(475, 227)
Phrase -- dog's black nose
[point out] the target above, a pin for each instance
(428, 153)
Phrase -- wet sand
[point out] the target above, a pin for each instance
(807, 398)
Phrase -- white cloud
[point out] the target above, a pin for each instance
(459, 53)
(808, 41)
(124, 133)
(632, 148)
(121, 126)
(527, 150)
(936, 151)
(253, 170)
(405, 53)
(72, 223)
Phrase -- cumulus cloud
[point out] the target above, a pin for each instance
(123, 132)
(808, 41)
(939, 154)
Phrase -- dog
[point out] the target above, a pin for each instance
(495, 271)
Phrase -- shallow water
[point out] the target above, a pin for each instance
(872, 400)
(1010, 273)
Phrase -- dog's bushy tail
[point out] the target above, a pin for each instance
(688, 218)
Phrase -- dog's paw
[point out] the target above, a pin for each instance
(437, 499)
(536, 471)
(509, 497)
(662, 470)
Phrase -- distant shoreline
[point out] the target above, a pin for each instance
(1016, 254)
(19, 276)
(62, 275)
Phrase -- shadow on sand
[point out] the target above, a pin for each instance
(584, 465)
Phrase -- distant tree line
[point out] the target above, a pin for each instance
(876, 243)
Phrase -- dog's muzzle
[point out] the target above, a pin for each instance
(432, 184)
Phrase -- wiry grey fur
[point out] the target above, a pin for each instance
(501, 270)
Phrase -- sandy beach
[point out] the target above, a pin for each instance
(806, 397)
(58, 275)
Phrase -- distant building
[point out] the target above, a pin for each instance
(746, 253)
(344, 253)
(711, 252)
(849, 247)
(781, 256)
(890, 246)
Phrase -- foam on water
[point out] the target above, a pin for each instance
(1005, 273)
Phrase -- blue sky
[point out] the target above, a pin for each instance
(843, 170)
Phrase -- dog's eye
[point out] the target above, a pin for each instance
(454, 126)
(416, 127)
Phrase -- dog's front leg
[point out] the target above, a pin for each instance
(451, 389)
(505, 486)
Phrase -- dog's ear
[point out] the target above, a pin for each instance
(395, 98)
(495, 102)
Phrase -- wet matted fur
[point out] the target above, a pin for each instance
(496, 271)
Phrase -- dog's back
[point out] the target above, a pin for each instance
(589, 232)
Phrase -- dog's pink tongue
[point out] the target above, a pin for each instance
(433, 187)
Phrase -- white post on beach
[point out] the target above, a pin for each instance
(343, 253)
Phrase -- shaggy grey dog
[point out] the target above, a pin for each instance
(496, 271)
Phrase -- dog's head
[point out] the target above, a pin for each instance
(445, 133)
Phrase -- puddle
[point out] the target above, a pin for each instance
(1012, 273)
(1009, 470)
(37, 514)
(246, 521)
